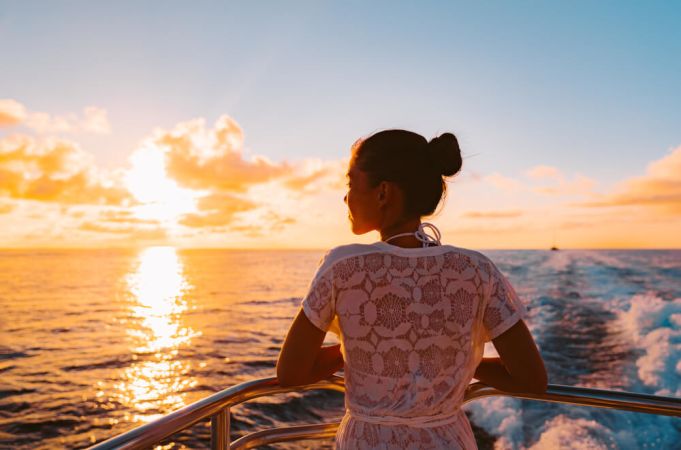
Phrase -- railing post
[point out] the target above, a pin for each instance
(219, 430)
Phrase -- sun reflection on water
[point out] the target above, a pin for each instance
(155, 384)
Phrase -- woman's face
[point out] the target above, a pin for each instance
(362, 200)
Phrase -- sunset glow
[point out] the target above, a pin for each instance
(241, 139)
(160, 197)
(152, 384)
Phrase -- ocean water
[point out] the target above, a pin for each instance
(96, 342)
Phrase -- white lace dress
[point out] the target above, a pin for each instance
(412, 323)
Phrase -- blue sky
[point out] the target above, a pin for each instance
(585, 86)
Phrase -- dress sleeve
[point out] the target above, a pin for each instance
(504, 308)
(319, 303)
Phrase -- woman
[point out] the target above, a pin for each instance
(413, 314)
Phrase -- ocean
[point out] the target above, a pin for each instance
(96, 342)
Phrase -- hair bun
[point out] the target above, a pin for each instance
(446, 153)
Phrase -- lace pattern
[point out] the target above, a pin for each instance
(407, 326)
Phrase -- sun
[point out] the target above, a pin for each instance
(160, 197)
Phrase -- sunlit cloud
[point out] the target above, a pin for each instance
(274, 221)
(55, 170)
(195, 184)
(232, 191)
(658, 190)
(122, 217)
(218, 210)
(190, 178)
(93, 119)
(132, 232)
(11, 112)
(6, 208)
(314, 174)
(198, 157)
(126, 224)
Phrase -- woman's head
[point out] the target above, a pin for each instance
(397, 176)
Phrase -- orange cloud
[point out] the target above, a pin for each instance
(124, 217)
(130, 231)
(6, 208)
(301, 182)
(218, 210)
(275, 223)
(53, 170)
(11, 112)
(211, 161)
(201, 158)
(315, 174)
(659, 189)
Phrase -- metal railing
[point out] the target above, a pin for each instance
(217, 407)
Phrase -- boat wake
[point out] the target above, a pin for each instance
(600, 324)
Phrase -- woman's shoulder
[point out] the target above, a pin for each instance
(476, 258)
(341, 252)
(346, 250)
(474, 255)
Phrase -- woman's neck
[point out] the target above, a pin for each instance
(402, 227)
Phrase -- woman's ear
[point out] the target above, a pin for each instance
(385, 193)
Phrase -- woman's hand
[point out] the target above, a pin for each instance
(303, 360)
(520, 367)
(329, 361)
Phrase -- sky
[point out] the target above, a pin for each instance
(229, 124)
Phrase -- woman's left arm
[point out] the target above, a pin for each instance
(302, 359)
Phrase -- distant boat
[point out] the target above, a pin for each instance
(554, 242)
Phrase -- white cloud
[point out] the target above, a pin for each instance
(11, 112)
(659, 189)
(541, 171)
(93, 119)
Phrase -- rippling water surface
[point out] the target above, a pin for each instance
(95, 342)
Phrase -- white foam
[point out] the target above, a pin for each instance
(654, 325)
(566, 432)
(649, 325)
(500, 417)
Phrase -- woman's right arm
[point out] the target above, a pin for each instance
(519, 368)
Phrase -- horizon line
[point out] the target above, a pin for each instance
(142, 247)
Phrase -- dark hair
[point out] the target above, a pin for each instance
(414, 164)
